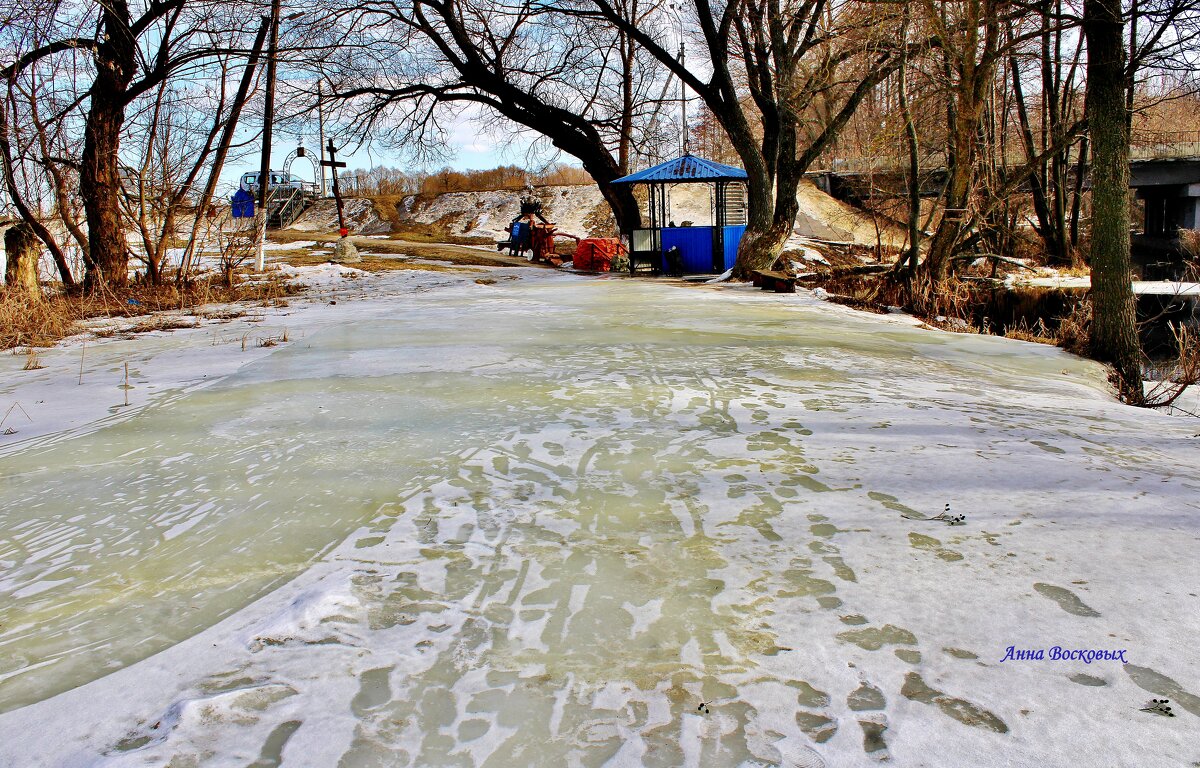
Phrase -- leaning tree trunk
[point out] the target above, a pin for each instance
(965, 124)
(22, 248)
(624, 205)
(99, 171)
(1114, 323)
(761, 242)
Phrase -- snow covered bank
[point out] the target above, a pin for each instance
(81, 386)
(580, 210)
(1140, 287)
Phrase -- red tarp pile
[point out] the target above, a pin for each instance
(595, 254)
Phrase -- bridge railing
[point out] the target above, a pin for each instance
(1144, 145)
(1163, 145)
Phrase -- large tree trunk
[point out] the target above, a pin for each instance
(624, 205)
(100, 172)
(964, 139)
(1114, 327)
(22, 248)
(762, 240)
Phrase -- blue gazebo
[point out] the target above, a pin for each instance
(701, 249)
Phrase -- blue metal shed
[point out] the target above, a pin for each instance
(701, 249)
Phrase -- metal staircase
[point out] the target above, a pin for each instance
(286, 204)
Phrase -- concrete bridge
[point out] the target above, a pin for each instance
(1156, 159)
(1164, 172)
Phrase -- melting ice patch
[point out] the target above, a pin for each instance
(652, 526)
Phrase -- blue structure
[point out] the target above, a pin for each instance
(522, 236)
(243, 204)
(704, 249)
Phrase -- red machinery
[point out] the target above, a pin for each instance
(543, 242)
(531, 230)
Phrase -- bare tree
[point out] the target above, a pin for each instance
(36, 175)
(1055, 196)
(1114, 327)
(119, 51)
(403, 68)
(176, 134)
(806, 65)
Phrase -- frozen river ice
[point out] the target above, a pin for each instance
(565, 522)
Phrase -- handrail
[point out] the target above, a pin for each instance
(285, 204)
(1144, 145)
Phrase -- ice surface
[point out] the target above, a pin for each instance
(543, 522)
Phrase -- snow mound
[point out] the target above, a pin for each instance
(578, 210)
(581, 210)
(360, 214)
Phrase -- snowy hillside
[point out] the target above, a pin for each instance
(582, 211)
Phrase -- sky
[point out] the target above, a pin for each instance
(469, 147)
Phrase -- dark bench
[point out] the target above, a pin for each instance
(773, 281)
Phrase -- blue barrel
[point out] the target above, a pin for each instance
(522, 235)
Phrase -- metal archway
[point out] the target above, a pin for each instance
(301, 152)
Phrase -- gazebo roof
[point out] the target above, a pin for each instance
(684, 169)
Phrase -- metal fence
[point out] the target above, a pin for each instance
(1144, 145)
(1163, 145)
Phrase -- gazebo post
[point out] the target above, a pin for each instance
(718, 238)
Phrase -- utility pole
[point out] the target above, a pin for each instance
(682, 84)
(321, 135)
(264, 173)
(683, 94)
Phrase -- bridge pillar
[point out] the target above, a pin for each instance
(1170, 208)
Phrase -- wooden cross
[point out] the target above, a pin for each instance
(333, 165)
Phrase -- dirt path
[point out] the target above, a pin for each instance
(454, 253)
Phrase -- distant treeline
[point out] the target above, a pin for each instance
(394, 181)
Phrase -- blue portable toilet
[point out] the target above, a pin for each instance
(522, 235)
(243, 204)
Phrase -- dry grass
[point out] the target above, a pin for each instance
(221, 314)
(861, 303)
(1189, 241)
(1174, 377)
(1038, 334)
(413, 234)
(1044, 316)
(1074, 332)
(148, 324)
(269, 341)
(871, 293)
(1075, 270)
(162, 323)
(33, 361)
(25, 323)
(44, 323)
